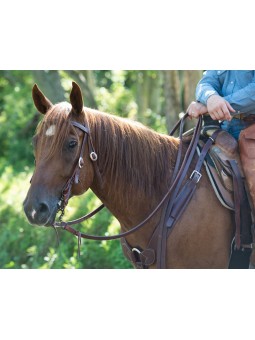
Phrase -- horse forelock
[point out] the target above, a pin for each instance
(132, 155)
(53, 129)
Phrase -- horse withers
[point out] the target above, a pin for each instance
(133, 170)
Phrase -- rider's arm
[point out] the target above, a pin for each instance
(243, 100)
(209, 85)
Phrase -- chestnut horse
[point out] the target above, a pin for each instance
(135, 167)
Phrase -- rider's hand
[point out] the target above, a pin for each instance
(196, 109)
(218, 108)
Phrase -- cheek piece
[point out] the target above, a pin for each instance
(74, 179)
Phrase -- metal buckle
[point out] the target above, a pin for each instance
(137, 261)
(240, 116)
(81, 162)
(136, 250)
(248, 246)
(194, 173)
(93, 156)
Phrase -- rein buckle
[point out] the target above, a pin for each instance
(135, 250)
(196, 175)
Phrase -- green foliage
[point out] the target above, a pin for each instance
(16, 112)
(24, 246)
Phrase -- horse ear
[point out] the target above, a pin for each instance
(76, 98)
(42, 103)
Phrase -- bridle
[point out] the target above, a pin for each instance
(74, 179)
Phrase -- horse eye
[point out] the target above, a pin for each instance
(72, 144)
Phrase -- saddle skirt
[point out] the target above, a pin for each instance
(217, 165)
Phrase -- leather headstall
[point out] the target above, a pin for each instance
(74, 179)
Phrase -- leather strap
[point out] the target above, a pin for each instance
(237, 183)
(186, 193)
(66, 191)
(81, 219)
(177, 184)
(180, 199)
(141, 259)
(242, 233)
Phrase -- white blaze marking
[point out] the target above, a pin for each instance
(51, 130)
(33, 213)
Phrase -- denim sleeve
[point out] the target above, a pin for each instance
(243, 100)
(208, 86)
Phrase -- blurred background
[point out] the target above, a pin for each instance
(155, 98)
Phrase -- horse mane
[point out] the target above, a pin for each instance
(130, 154)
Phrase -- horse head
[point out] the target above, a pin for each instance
(61, 153)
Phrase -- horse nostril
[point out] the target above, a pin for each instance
(43, 208)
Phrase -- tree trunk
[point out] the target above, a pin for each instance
(85, 80)
(142, 95)
(50, 84)
(191, 78)
(155, 92)
(172, 97)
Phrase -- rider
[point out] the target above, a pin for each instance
(229, 97)
(226, 95)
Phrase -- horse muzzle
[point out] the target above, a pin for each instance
(41, 213)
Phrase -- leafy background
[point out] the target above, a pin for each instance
(154, 98)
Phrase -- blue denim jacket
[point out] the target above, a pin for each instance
(237, 87)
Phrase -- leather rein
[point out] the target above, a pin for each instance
(179, 172)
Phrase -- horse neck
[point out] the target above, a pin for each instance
(135, 164)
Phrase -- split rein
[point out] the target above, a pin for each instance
(178, 176)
